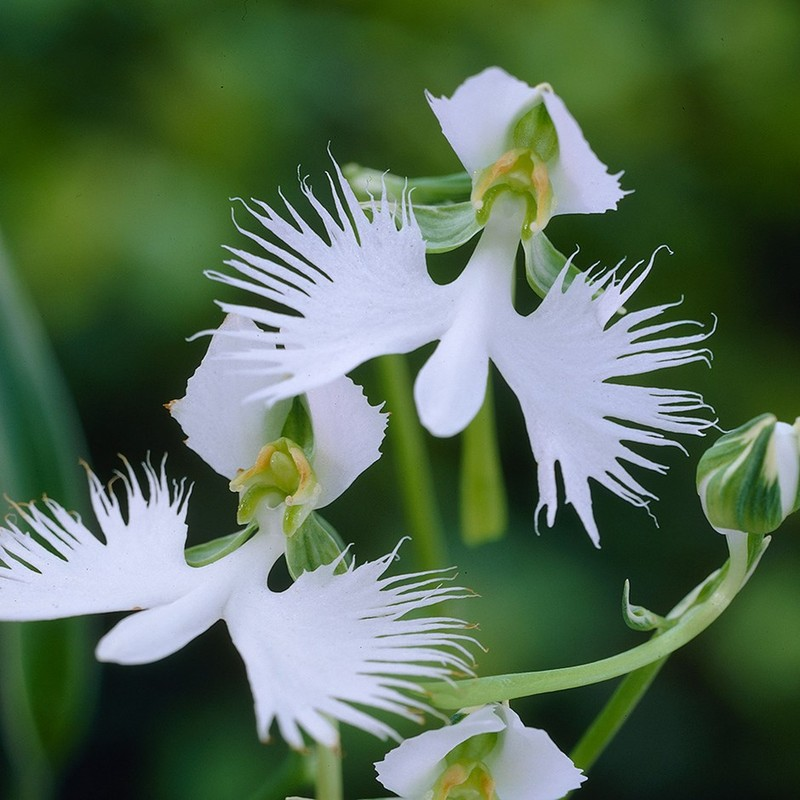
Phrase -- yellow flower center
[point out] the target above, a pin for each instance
(522, 170)
(465, 782)
(281, 475)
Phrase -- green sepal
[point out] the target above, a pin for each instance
(446, 227)
(294, 517)
(639, 618)
(369, 184)
(298, 426)
(536, 131)
(484, 507)
(206, 553)
(543, 264)
(313, 544)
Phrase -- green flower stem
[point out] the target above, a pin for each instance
(484, 511)
(329, 773)
(477, 691)
(412, 465)
(614, 714)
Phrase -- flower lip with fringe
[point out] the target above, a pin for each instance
(363, 290)
(325, 649)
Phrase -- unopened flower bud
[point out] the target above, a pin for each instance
(749, 480)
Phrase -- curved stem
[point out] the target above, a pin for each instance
(477, 691)
(413, 465)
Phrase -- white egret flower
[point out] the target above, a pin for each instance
(325, 649)
(334, 644)
(361, 289)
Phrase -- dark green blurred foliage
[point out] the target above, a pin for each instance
(126, 128)
(47, 675)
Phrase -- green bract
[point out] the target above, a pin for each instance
(748, 480)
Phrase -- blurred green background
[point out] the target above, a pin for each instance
(125, 128)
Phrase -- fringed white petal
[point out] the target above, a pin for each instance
(479, 118)
(225, 430)
(60, 569)
(581, 182)
(331, 647)
(333, 644)
(562, 362)
(360, 291)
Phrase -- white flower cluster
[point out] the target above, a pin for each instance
(340, 644)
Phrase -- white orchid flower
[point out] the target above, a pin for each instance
(335, 642)
(487, 755)
(363, 290)
(324, 649)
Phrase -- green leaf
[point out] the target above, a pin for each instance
(484, 507)
(48, 673)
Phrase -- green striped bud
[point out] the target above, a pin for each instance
(749, 479)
